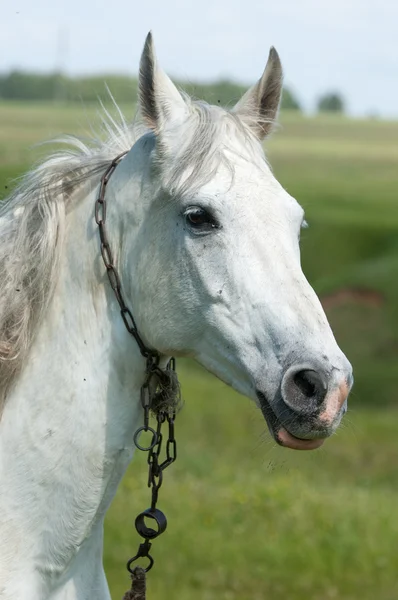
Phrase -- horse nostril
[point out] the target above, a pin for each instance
(303, 389)
(310, 383)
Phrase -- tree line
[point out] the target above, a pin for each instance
(20, 85)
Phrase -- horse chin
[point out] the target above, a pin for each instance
(280, 434)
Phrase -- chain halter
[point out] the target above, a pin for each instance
(159, 394)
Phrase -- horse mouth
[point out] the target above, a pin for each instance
(281, 435)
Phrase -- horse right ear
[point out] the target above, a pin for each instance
(160, 102)
(258, 108)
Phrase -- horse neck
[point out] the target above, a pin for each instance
(66, 434)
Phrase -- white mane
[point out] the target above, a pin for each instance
(31, 232)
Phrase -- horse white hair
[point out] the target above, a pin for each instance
(207, 247)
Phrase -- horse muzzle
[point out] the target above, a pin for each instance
(308, 407)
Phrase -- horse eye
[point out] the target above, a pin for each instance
(199, 219)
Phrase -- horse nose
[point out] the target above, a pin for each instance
(304, 388)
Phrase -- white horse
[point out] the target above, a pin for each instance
(207, 246)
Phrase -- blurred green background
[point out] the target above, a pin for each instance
(248, 520)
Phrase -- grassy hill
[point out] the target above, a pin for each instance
(248, 520)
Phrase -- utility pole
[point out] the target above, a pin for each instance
(61, 55)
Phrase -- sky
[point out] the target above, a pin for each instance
(345, 45)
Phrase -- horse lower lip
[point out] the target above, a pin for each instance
(280, 434)
(284, 438)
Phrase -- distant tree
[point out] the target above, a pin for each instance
(331, 102)
(222, 92)
(227, 93)
(122, 87)
(289, 100)
(19, 85)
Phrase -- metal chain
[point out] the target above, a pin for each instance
(155, 377)
(107, 257)
(156, 467)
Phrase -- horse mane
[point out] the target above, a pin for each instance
(32, 222)
(32, 218)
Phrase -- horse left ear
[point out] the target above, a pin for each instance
(160, 102)
(258, 108)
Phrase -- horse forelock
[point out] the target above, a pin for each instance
(199, 146)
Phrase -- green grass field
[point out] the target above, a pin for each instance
(248, 520)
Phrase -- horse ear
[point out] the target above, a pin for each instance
(160, 101)
(258, 108)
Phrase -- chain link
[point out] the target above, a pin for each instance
(109, 262)
(156, 466)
